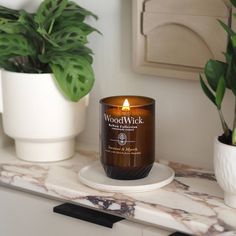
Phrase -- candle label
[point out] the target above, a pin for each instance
(124, 119)
(121, 134)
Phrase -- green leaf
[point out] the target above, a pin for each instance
(233, 40)
(51, 40)
(49, 11)
(27, 20)
(230, 49)
(7, 64)
(87, 29)
(52, 54)
(11, 26)
(47, 37)
(213, 71)
(233, 2)
(8, 13)
(72, 9)
(69, 36)
(229, 60)
(230, 72)
(220, 92)
(15, 45)
(229, 55)
(207, 91)
(74, 75)
(233, 79)
(227, 28)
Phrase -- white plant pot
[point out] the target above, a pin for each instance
(38, 117)
(225, 170)
(14, 4)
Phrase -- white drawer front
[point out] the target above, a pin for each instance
(23, 214)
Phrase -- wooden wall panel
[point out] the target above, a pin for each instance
(176, 38)
(215, 8)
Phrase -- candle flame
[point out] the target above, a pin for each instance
(126, 106)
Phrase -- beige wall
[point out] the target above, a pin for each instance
(186, 121)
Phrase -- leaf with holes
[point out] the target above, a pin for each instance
(15, 44)
(81, 51)
(68, 37)
(27, 20)
(74, 75)
(51, 40)
(11, 26)
(72, 9)
(49, 11)
(87, 29)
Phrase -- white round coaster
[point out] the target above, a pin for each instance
(95, 177)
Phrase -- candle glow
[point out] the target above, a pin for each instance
(126, 106)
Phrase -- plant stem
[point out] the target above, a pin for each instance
(43, 48)
(51, 26)
(224, 124)
(234, 127)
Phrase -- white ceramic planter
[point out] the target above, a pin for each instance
(37, 116)
(14, 4)
(225, 170)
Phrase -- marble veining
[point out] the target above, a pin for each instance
(192, 203)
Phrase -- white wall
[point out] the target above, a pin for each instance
(186, 121)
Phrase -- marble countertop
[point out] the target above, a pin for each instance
(192, 203)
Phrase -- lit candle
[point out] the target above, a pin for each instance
(126, 106)
(127, 136)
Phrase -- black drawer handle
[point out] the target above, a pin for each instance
(178, 234)
(87, 214)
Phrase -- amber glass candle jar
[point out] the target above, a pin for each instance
(127, 136)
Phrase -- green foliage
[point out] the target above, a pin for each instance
(233, 2)
(48, 12)
(74, 75)
(221, 75)
(220, 92)
(69, 37)
(213, 71)
(227, 28)
(52, 40)
(15, 45)
(207, 91)
(8, 13)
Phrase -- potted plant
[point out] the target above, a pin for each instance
(46, 78)
(219, 77)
